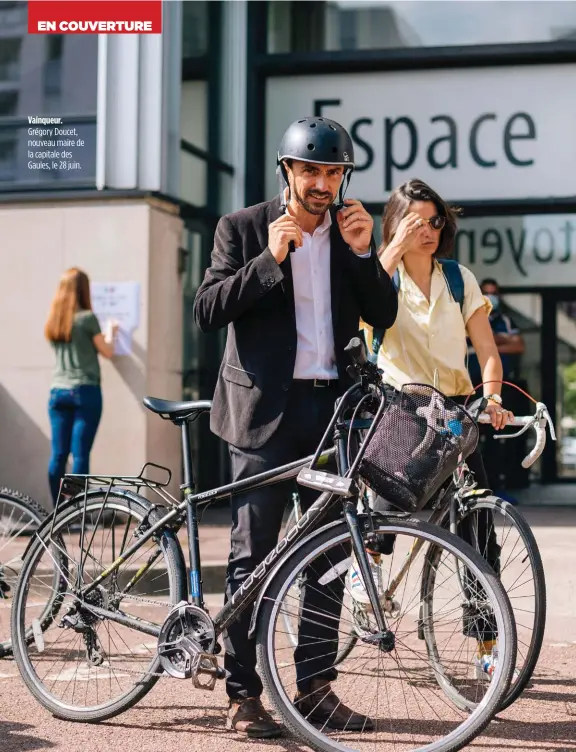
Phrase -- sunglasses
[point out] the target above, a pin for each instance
(436, 223)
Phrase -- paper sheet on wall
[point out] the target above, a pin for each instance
(118, 301)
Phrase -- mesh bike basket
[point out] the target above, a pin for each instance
(419, 440)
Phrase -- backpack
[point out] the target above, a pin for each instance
(455, 282)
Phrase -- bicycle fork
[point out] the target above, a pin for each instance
(384, 637)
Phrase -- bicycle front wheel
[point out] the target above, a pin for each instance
(395, 686)
(291, 616)
(80, 666)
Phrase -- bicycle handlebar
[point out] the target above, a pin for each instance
(538, 422)
(369, 371)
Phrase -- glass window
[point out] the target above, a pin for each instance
(10, 59)
(566, 386)
(382, 24)
(194, 28)
(531, 250)
(45, 75)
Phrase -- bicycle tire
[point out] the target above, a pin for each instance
(37, 513)
(475, 722)
(348, 643)
(497, 505)
(176, 573)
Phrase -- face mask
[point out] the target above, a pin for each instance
(495, 300)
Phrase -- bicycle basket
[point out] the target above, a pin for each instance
(419, 440)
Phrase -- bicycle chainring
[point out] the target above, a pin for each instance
(186, 642)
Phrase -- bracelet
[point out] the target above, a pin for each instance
(494, 398)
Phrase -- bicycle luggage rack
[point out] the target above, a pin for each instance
(77, 485)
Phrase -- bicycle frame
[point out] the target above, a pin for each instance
(306, 524)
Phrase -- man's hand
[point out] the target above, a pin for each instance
(280, 233)
(355, 226)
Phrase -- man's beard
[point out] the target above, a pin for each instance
(310, 208)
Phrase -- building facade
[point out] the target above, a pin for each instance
(475, 98)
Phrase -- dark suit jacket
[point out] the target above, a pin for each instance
(246, 290)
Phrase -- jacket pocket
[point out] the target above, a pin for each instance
(238, 375)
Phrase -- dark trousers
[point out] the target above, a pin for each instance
(74, 417)
(256, 522)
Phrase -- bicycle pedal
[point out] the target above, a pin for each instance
(323, 481)
(207, 666)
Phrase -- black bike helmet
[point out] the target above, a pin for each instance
(321, 141)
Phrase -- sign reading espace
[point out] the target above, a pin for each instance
(94, 17)
(473, 133)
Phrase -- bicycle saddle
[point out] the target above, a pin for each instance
(177, 411)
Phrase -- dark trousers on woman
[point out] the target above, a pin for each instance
(74, 417)
(256, 523)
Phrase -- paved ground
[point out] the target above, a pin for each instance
(176, 716)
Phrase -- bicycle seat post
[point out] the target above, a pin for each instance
(191, 518)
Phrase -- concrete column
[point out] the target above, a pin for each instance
(139, 81)
(233, 106)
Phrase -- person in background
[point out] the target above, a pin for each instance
(507, 336)
(501, 457)
(75, 404)
(427, 345)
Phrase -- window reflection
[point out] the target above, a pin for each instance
(385, 24)
(194, 28)
(44, 75)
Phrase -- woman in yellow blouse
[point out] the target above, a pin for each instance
(427, 343)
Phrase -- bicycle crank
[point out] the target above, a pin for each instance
(186, 646)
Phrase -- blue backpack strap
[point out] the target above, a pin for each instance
(378, 333)
(454, 279)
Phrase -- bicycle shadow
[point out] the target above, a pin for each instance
(11, 740)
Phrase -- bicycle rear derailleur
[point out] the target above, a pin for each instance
(186, 644)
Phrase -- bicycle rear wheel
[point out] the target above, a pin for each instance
(20, 517)
(490, 519)
(398, 688)
(79, 666)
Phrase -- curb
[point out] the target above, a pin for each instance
(213, 577)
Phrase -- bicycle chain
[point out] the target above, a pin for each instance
(163, 604)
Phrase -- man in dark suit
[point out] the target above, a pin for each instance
(289, 317)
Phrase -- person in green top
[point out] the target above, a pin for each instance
(75, 404)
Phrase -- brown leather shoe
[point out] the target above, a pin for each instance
(249, 717)
(320, 705)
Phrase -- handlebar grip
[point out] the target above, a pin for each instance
(540, 429)
(356, 350)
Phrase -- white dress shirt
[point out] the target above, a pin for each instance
(315, 353)
(315, 356)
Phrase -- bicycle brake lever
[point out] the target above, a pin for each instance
(546, 414)
(518, 433)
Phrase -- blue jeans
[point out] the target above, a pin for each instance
(74, 415)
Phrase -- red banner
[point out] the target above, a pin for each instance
(95, 17)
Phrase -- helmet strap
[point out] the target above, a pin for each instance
(343, 188)
(283, 182)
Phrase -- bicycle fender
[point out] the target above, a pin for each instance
(280, 563)
(62, 506)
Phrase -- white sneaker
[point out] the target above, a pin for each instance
(486, 665)
(355, 583)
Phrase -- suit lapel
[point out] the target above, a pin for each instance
(336, 259)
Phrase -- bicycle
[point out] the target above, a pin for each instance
(19, 517)
(457, 502)
(184, 637)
